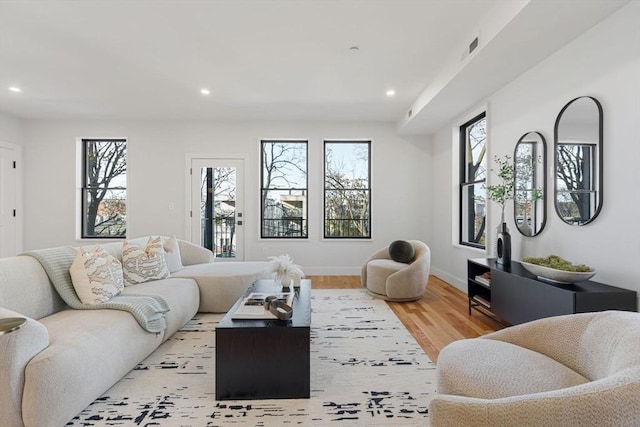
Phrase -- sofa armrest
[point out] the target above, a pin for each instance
(17, 348)
(585, 342)
(415, 275)
(612, 401)
(528, 334)
(191, 254)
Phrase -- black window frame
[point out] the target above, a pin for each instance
(463, 184)
(86, 188)
(304, 220)
(325, 189)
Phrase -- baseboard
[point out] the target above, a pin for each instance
(332, 271)
(452, 280)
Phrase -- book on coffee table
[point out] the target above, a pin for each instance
(252, 307)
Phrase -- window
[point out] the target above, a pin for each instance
(284, 189)
(347, 189)
(104, 188)
(473, 175)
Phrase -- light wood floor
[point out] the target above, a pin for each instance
(441, 316)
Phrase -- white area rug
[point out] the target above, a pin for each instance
(366, 369)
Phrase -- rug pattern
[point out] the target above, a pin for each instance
(366, 369)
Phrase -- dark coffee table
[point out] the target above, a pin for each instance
(265, 359)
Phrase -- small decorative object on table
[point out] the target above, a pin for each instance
(500, 193)
(287, 273)
(503, 251)
(557, 270)
(260, 305)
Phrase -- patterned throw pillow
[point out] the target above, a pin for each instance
(144, 264)
(96, 276)
(172, 254)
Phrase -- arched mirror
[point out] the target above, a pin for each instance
(529, 201)
(578, 161)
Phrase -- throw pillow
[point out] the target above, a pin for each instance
(172, 254)
(96, 276)
(143, 264)
(401, 251)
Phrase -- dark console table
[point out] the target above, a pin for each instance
(514, 295)
(265, 359)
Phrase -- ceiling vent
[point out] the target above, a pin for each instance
(473, 45)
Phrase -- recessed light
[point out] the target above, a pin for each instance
(15, 89)
(391, 92)
(205, 91)
(354, 49)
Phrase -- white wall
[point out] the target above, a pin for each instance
(603, 63)
(156, 179)
(11, 129)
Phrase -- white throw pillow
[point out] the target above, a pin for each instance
(172, 254)
(143, 264)
(96, 276)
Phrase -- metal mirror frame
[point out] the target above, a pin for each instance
(599, 178)
(543, 200)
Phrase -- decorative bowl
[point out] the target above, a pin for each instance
(557, 276)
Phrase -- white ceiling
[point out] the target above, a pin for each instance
(261, 59)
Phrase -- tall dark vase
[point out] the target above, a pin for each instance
(504, 246)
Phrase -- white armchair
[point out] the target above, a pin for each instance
(396, 281)
(575, 370)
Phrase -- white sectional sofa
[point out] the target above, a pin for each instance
(62, 359)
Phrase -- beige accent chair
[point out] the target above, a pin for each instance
(395, 281)
(575, 370)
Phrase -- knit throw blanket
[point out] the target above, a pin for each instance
(148, 310)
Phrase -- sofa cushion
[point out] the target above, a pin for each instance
(96, 276)
(143, 264)
(172, 254)
(26, 289)
(115, 248)
(377, 272)
(181, 294)
(490, 369)
(89, 351)
(222, 283)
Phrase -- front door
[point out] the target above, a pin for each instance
(217, 206)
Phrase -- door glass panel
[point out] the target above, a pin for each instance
(218, 210)
(216, 207)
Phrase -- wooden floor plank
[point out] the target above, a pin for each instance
(438, 318)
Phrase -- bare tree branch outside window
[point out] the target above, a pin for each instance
(575, 195)
(347, 195)
(284, 206)
(104, 188)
